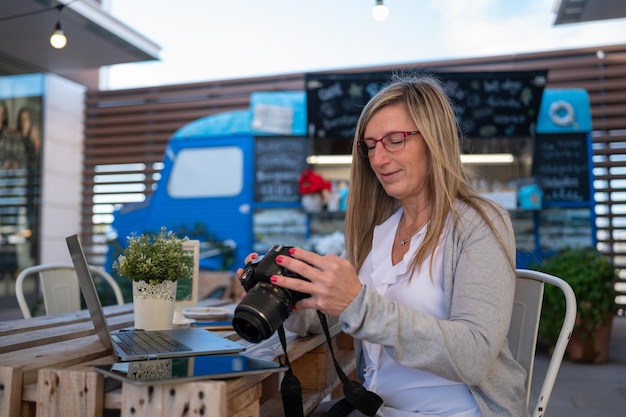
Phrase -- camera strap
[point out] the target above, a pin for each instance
(290, 388)
(356, 396)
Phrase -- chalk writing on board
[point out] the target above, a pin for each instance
(187, 289)
(487, 104)
(278, 163)
(561, 166)
(184, 289)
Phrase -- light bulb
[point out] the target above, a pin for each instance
(380, 11)
(58, 39)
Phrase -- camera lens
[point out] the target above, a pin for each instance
(261, 312)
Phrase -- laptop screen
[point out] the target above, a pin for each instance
(90, 294)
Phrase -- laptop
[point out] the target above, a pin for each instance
(181, 342)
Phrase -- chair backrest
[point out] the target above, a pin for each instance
(59, 287)
(524, 327)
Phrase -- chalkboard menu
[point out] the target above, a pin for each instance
(487, 104)
(561, 167)
(279, 162)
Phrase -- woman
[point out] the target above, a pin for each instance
(28, 130)
(31, 140)
(12, 153)
(427, 283)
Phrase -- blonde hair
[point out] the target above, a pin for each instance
(368, 203)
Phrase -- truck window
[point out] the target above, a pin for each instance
(207, 172)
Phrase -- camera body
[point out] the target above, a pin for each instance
(261, 269)
(266, 305)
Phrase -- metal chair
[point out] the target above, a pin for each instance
(524, 326)
(59, 287)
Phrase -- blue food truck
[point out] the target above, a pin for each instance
(235, 173)
(221, 169)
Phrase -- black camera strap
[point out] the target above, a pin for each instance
(290, 388)
(356, 396)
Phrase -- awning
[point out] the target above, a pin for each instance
(576, 11)
(94, 38)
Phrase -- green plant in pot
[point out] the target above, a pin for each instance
(154, 262)
(592, 277)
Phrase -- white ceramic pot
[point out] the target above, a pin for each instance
(154, 305)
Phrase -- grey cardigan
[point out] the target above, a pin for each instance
(471, 345)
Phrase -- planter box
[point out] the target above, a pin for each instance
(593, 348)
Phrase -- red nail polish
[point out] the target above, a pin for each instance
(273, 278)
(254, 256)
(279, 259)
(292, 251)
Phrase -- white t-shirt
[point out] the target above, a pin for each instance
(408, 391)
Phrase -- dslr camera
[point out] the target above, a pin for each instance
(265, 305)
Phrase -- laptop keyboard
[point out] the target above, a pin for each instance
(139, 343)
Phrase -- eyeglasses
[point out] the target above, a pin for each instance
(392, 142)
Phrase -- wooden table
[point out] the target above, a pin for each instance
(46, 370)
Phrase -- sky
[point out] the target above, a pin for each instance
(210, 40)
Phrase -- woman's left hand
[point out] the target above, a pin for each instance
(332, 281)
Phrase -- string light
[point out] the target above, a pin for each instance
(380, 12)
(58, 39)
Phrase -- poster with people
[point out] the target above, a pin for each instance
(20, 162)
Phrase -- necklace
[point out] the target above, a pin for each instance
(405, 241)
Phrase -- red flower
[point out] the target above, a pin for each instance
(310, 182)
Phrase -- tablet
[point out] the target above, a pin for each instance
(188, 369)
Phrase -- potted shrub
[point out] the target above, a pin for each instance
(592, 277)
(154, 262)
